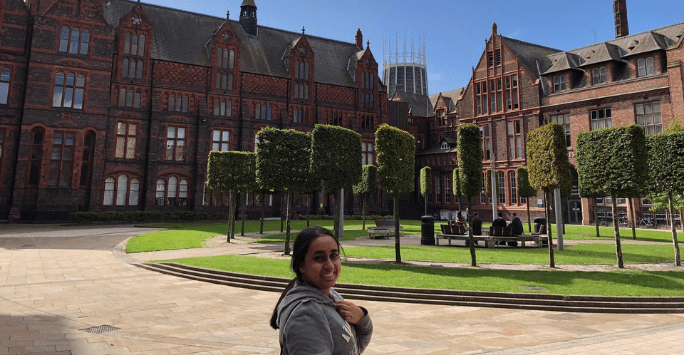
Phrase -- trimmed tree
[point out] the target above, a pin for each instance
(615, 161)
(425, 184)
(666, 170)
(336, 161)
(457, 187)
(526, 190)
(469, 152)
(367, 186)
(229, 172)
(282, 165)
(549, 166)
(396, 168)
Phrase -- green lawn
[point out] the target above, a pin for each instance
(582, 254)
(625, 283)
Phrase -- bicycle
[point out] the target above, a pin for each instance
(601, 221)
(624, 222)
(647, 223)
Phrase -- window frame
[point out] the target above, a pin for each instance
(5, 85)
(514, 138)
(642, 119)
(62, 157)
(127, 139)
(77, 40)
(601, 118)
(221, 143)
(563, 120)
(172, 151)
(63, 91)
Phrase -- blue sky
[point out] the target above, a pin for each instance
(455, 30)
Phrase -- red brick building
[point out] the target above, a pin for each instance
(115, 105)
(518, 86)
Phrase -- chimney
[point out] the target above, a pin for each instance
(620, 10)
(359, 39)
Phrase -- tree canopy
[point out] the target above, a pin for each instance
(396, 151)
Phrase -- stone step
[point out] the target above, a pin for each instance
(531, 301)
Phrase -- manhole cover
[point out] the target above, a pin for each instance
(533, 288)
(100, 329)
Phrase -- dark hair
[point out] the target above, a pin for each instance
(475, 214)
(299, 250)
(515, 214)
(499, 214)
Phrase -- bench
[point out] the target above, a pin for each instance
(457, 232)
(383, 228)
(505, 234)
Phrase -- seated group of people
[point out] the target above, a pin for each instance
(476, 224)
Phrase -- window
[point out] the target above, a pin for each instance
(438, 189)
(501, 187)
(563, 120)
(494, 58)
(486, 143)
(178, 103)
(175, 195)
(74, 41)
(559, 83)
(264, 112)
(447, 189)
(129, 98)
(300, 115)
(224, 81)
(514, 140)
(598, 75)
(601, 119)
(368, 153)
(512, 92)
(126, 140)
(645, 66)
(220, 140)
(483, 192)
(36, 155)
(68, 91)
(87, 161)
(134, 50)
(648, 116)
(481, 97)
(223, 108)
(2, 142)
(61, 159)
(5, 77)
(225, 58)
(175, 143)
(514, 189)
(301, 91)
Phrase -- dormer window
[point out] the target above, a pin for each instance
(645, 67)
(559, 83)
(598, 75)
(445, 145)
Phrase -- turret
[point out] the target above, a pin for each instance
(248, 17)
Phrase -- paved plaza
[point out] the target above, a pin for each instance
(59, 283)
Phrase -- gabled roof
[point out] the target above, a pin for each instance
(419, 105)
(601, 53)
(180, 36)
(562, 61)
(528, 53)
(453, 95)
(623, 47)
(649, 42)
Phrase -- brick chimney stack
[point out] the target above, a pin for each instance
(359, 39)
(621, 26)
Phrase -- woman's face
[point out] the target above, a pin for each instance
(322, 264)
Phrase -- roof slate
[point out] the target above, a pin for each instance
(181, 36)
(420, 105)
(528, 53)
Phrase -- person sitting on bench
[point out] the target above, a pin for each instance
(517, 227)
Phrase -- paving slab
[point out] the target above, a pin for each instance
(56, 281)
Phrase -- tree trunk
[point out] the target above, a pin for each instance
(363, 210)
(473, 258)
(230, 216)
(675, 243)
(596, 221)
(336, 213)
(681, 219)
(308, 209)
(263, 210)
(244, 212)
(632, 218)
(425, 200)
(397, 241)
(529, 219)
(287, 217)
(552, 261)
(233, 203)
(616, 228)
(282, 227)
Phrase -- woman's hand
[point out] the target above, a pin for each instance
(349, 311)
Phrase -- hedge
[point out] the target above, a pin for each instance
(547, 157)
(368, 183)
(470, 159)
(146, 216)
(426, 181)
(396, 151)
(336, 157)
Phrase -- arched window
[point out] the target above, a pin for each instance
(64, 39)
(230, 82)
(172, 190)
(161, 189)
(108, 199)
(121, 190)
(124, 71)
(5, 78)
(231, 60)
(74, 41)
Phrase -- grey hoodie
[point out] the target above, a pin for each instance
(309, 324)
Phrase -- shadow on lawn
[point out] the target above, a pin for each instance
(668, 280)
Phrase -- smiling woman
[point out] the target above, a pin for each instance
(311, 316)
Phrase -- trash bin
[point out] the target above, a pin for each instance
(427, 230)
(538, 222)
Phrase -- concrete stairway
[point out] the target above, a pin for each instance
(528, 301)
